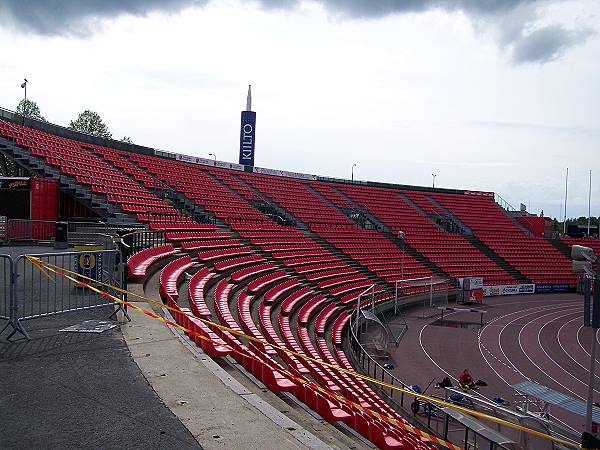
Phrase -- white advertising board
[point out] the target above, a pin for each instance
(284, 173)
(508, 289)
(208, 162)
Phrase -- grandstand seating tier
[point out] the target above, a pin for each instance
(255, 275)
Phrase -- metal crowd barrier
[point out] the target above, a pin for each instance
(31, 292)
(21, 230)
(6, 272)
(140, 240)
(30, 230)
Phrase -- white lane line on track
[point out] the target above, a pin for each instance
(524, 313)
(427, 354)
(538, 367)
(481, 345)
(446, 373)
(581, 345)
(579, 341)
(539, 340)
(560, 330)
(486, 327)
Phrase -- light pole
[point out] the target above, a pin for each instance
(401, 237)
(433, 175)
(566, 192)
(24, 86)
(353, 166)
(590, 205)
(214, 156)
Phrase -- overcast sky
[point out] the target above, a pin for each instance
(498, 95)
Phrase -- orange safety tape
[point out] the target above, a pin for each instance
(209, 323)
(289, 375)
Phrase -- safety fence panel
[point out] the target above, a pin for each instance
(6, 270)
(39, 292)
(29, 230)
(3, 226)
(140, 240)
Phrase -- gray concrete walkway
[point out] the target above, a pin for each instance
(65, 390)
(220, 412)
(141, 385)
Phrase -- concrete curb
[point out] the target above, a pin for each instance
(218, 410)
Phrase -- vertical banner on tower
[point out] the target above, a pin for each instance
(247, 133)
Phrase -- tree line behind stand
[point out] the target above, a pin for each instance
(88, 121)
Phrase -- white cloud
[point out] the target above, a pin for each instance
(402, 96)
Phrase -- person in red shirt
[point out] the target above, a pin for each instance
(465, 380)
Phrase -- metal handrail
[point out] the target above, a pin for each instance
(141, 239)
(503, 203)
(357, 342)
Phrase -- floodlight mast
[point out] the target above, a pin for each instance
(24, 86)
(401, 237)
(589, 205)
(566, 197)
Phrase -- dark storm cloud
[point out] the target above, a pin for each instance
(63, 17)
(512, 20)
(375, 8)
(547, 44)
(56, 17)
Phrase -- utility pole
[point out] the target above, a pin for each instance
(24, 86)
(590, 205)
(566, 191)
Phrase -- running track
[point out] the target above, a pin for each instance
(536, 337)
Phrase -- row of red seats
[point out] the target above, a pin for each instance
(278, 292)
(234, 263)
(138, 263)
(210, 244)
(196, 286)
(170, 276)
(251, 271)
(77, 159)
(424, 235)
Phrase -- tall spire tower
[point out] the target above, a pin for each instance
(249, 99)
(247, 130)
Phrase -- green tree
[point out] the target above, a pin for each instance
(127, 140)
(30, 109)
(90, 122)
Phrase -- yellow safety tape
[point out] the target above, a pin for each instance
(312, 385)
(37, 262)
